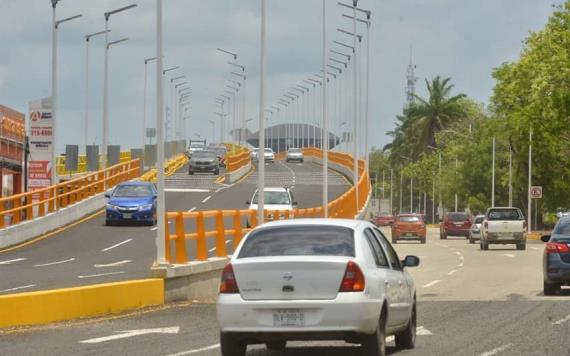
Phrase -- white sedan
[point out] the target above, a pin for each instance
(316, 279)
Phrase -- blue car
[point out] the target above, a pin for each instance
(556, 261)
(131, 202)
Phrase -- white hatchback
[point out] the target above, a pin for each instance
(316, 279)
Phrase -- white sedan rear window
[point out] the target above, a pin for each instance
(299, 241)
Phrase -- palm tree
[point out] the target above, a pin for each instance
(436, 113)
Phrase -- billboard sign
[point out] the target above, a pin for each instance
(40, 172)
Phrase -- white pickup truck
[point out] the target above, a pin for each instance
(503, 226)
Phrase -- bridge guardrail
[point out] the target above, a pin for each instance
(342, 207)
(33, 204)
(171, 166)
(82, 163)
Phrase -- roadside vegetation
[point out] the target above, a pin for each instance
(531, 93)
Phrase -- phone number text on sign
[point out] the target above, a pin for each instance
(41, 131)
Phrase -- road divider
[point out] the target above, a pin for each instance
(71, 303)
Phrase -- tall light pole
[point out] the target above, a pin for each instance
(213, 130)
(177, 119)
(529, 217)
(325, 119)
(55, 25)
(106, 82)
(86, 123)
(260, 155)
(244, 100)
(493, 177)
(160, 201)
(510, 175)
(146, 61)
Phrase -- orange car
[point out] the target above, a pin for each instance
(409, 227)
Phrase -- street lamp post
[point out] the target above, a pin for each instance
(55, 25)
(106, 82)
(213, 130)
(146, 61)
(86, 123)
(160, 201)
(260, 155)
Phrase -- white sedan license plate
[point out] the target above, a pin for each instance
(127, 216)
(409, 234)
(288, 317)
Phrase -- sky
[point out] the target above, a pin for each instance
(463, 40)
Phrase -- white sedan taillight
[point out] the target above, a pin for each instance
(228, 284)
(353, 280)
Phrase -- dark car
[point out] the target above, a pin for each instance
(131, 202)
(204, 161)
(556, 259)
(455, 224)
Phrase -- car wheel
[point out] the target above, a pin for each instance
(276, 345)
(407, 338)
(375, 344)
(471, 241)
(550, 288)
(191, 173)
(484, 245)
(521, 246)
(108, 223)
(302, 161)
(423, 240)
(394, 241)
(442, 236)
(217, 172)
(231, 346)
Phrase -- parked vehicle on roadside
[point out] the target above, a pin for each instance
(409, 227)
(475, 231)
(204, 161)
(316, 279)
(294, 155)
(131, 202)
(556, 258)
(455, 224)
(503, 226)
(383, 220)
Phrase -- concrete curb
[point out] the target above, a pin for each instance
(27, 230)
(72, 303)
(232, 177)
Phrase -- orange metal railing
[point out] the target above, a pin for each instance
(29, 205)
(236, 158)
(193, 226)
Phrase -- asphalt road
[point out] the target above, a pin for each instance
(491, 305)
(91, 252)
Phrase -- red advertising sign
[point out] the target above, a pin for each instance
(39, 173)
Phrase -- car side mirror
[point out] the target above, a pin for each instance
(154, 196)
(411, 261)
(295, 204)
(107, 195)
(545, 238)
(248, 202)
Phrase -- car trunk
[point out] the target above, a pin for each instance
(451, 225)
(409, 226)
(505, 226)
(290, 277)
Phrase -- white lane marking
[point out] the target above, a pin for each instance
(420, 331)
(130, 333)
(114, 264)
(17, 288)
(176, 190)
(452, 272)
(461, 258)
(509, 255)
(191, 210)
(154, 228)
(99, 275)
(195, 351)
(534, 248)
(228, 241)
(212, 249)
(432, 283)
(460, 265)
(497, 350)
(116, 245)
(562, 321)
(9, 262)
(206, 199)
(55, 263)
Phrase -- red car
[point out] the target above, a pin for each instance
(409, 227)
(455, 224)
(383, 220)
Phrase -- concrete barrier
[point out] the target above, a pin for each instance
(232, 177)
(197, 280)
(27, 230)
(72, 303)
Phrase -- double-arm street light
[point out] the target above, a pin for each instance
(106, 80)
(55, 25)
(86, 123)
